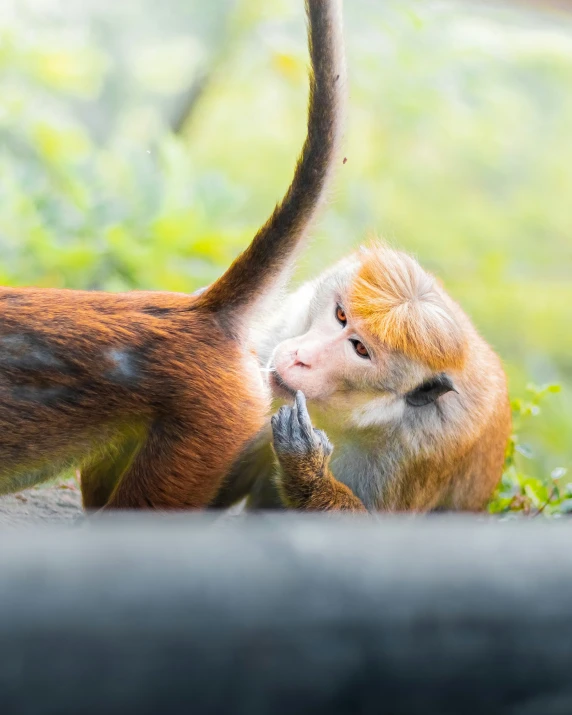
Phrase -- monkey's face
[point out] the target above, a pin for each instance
(320, 361)
(347, 369)
(334, 361)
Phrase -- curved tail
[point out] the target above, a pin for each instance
(271, 251)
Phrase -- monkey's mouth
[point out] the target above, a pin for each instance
(279, 387)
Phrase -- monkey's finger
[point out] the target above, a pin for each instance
(294, 434)
(289, 425)
(279, 423)
(274, 421)
(279, 418)
(303, 415)
(287, 419)
(323, 440)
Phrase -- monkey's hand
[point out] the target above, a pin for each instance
(303, 452)
(305, 481)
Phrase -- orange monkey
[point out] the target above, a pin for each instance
(412, 397)
(154, 395)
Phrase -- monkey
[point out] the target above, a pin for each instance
(151, 395)
(415, 402)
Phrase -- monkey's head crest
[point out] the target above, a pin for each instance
(401, 305)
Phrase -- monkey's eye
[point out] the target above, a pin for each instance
(341, 315)
(360, 349)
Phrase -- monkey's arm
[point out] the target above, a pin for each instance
(305, 481)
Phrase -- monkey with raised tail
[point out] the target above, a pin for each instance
(154, 395)
(413, 399)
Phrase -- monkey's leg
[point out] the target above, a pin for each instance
(177, 467)
(264, 495)
(304, 452)
(100, 477)
(252, 470)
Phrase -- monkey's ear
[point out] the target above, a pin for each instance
(429, 391)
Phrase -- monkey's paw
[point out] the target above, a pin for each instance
(302, 451)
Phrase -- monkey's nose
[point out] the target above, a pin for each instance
(301, 359)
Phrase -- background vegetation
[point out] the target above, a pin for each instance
(142, 143)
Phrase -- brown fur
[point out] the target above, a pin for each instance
(460, 476)
(390, 455)
(155, 395)
(85, 407)
(307, 483)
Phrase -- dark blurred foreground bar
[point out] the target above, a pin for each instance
(285, 616)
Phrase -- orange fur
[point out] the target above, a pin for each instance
(402, 306)
(389, 452)
(307, 483)
(155, 395)
(116, 384)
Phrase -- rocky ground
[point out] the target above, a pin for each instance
(55, 502)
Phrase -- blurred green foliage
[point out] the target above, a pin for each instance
(519, 491)
(458, 150)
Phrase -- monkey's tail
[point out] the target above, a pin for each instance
(273, 247)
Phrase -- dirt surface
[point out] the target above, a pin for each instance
(59, 502)
(56, 503)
